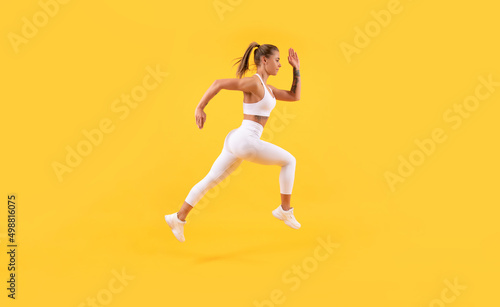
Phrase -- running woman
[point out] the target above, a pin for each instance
(244, 143)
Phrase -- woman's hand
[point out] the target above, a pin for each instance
(200, 117)
(293, 58)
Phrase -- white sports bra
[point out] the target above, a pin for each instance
(263, 107)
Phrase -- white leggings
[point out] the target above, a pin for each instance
(244, 143)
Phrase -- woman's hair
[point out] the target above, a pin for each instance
(262, 50)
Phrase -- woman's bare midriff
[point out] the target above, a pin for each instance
(256, 118)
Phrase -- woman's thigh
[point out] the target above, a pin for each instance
(270, 154)
(224, 165)
(248, 147)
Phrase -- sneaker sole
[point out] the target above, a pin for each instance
(280, 217)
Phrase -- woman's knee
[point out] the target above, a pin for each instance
(290, 160)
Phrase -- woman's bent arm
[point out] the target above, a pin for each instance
(244, 84)
(296, 83)
(209, 94)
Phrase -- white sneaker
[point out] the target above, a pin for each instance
(286, 216)
(176, 225)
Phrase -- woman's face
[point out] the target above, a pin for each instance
(272, 64)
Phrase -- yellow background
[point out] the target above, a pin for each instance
(395, 248)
